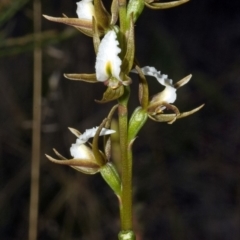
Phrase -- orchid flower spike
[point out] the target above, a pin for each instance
(108, 63)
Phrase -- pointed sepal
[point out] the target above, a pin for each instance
(102, 16)
(183, 81)
(83, 25)
(96, 37)
(75, 132)
(90, 78)
(114, 12)
(111, 94)
(82, 165)
(157, 6)
(170, 118)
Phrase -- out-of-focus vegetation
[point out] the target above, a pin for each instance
(186, 176)
(9, 8)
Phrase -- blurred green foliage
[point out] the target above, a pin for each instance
(8, 8)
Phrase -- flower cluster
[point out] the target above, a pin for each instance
(114, 61)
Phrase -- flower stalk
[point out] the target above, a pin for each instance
(126, 196)
(122, 6)
(115, 59)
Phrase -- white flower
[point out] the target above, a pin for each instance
(108, 62)
(80, 150)
(85, 9)
(169, 94)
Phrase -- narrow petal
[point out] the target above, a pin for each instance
(85, 9)
(108, 62)
(75, 132)
(169, 117)
(89, 133)
(82, 165)
(114, 11)
(73, 162)
(161, 78)
(83, 24)
(143, 91)
(183, 81)
(90, 78)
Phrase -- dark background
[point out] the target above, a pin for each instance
(186, 175)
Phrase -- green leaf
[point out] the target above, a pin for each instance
(111, 176)
(136, 122)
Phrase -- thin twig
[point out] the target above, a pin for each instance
(36, 134)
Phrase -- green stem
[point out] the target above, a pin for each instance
(122, 15)
(126, 160)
